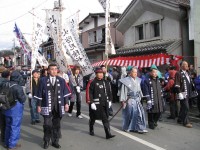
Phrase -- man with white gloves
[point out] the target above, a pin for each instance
(184, 88)
(100, 96)
(152, 91)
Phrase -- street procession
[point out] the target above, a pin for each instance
(100, 74)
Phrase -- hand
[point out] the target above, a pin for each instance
(149, 104)
(30, 96)
(78, 89)
(180, 96)
(39, 109)
(123, 105)
(66, 107)
(93, 106)
(109, 104)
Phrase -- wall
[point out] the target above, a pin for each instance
(196, 7)
(89, 26)
(170, 28)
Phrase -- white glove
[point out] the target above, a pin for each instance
(30, 96)
(180, 96)
(78, 89)
(109, 104)
(93, 106)
(149, 102)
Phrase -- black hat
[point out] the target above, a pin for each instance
(34, 71)
(98, 70)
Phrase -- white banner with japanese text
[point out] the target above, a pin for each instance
(74, 47)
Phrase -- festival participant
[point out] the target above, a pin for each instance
(100, 96)
(130, 96)
(76, 80)
(184, 86)
(52, 103)
(153, 93)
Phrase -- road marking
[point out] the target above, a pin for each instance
(128, 135)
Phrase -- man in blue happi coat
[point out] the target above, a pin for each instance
(52, 103)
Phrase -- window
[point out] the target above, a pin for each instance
(92, 37)
(155, 29)
(97, 36)
(103, 36)
(139, 32)
(141, 35)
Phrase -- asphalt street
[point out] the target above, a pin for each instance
(75, 136)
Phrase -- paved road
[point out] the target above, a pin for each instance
(169, 135)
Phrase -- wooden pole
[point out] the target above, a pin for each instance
(33, 46)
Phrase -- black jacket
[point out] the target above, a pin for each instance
(17, 90)
(3, 82)
(35, 87)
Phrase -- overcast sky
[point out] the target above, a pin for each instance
(12, 11)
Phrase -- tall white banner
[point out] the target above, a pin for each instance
(37, 39)
(52, 29)
(75, 49)
(52, 23)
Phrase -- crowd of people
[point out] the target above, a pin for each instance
(51, 93)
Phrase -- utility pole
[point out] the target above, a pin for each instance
(58, 7)
(14, 51)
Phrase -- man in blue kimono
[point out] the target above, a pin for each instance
(52, 104)
(130, 96)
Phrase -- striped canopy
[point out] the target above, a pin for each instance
(139, 61)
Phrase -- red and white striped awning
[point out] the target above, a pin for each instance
(139, 61)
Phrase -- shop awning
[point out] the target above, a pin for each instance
(139, 61)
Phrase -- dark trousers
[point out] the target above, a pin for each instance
(153, 119)
(78, 105)
(173, 109)
(198, 101)
(104, 121)
(184, 110)
(114, 93)
(2, 125)
(52, 127)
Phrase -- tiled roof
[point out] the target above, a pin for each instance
(147, 47)
(186, 2)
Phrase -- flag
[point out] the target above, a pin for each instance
(103, 4)
(74, 48)
(52, 23)
(22, 41)
(52, 30)
(37, 40)
(33, 55)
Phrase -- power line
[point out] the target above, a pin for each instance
(11, 5)
(23, 14)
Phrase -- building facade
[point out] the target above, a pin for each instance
(194, 30)
(93, 35)
(156, 26)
